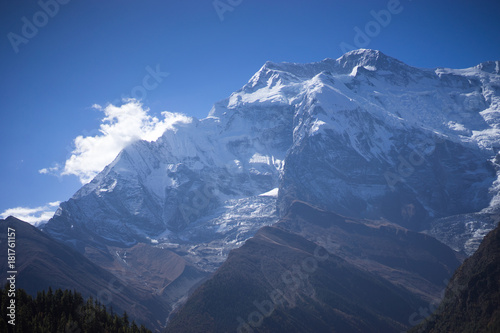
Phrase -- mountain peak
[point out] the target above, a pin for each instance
(364, 53)
(294, 72)
(372, 59)
(492, 67)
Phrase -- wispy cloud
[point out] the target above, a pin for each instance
(34, 216)
(120, 126)
(51, 170)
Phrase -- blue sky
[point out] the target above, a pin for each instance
(91, 53)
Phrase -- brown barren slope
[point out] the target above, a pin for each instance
(316, 271)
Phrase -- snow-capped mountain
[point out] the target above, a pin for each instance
(364, 135)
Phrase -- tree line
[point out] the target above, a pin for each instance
(61, 311)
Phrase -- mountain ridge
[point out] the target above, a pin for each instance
(299, 276)
(384, 139)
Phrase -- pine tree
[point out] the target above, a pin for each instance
(125, 319)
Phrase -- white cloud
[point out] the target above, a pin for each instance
(34, 216)
(120, 126)
(52, 170)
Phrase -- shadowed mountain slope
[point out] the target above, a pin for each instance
(317, 271)
(42, 262)
(472, 299)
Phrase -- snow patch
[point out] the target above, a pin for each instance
(272, 193)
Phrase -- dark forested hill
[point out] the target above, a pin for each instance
(60, 311)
